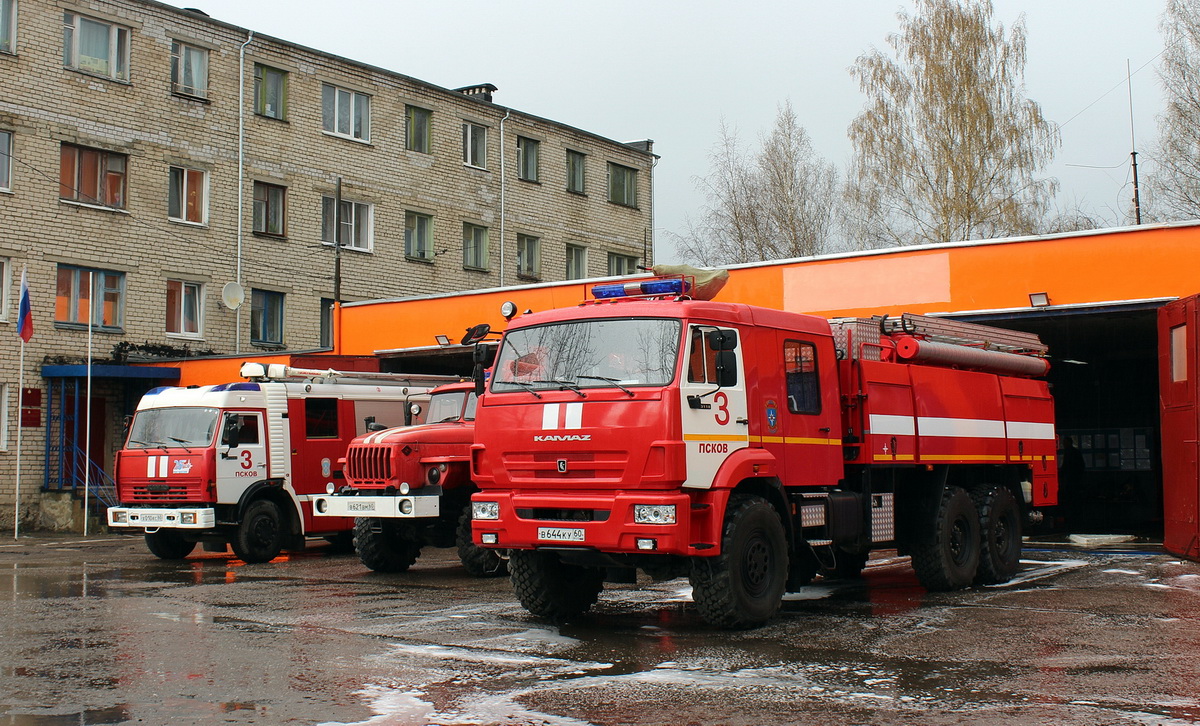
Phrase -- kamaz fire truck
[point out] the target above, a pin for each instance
(411, 486)
(238, 463)
(750, 449)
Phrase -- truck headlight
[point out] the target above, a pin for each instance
(188, 518)
(121, 517)
(654, 513)
(485, 510)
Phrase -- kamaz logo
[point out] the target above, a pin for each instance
(564, 437)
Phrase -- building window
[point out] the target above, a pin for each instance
(95, 46)
(527, 158)
(5, 271)
(622, 185)
(800, 375)
(270, 92)
(74, 293)
(8, 26)
(346, 113)
(6, 143)
(418, 236)
(356, 224)
(529, 260)
(621, 264)
(475, 246)
(475, 145)
(326, 322)
(266, 317)
(417, 131)
(269, 209)
(189, 69)
(187, 195)
(576, 262)
(184, 308)
(575, 165)
(92, 176)
(4, 416)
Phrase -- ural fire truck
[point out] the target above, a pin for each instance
(750, 449)
(237, 463)
(411, 486)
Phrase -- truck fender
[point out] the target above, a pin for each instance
(745, 464)
(271, 489)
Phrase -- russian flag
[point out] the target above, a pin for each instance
(25, 313)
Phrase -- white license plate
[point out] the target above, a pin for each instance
(560, 534)
(152, 517)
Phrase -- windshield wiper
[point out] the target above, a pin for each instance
(526, 386)
(565, 386)
(181, 442)
(613, 381)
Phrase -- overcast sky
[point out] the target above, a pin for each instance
(671, 70)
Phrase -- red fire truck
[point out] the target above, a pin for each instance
(237, 463)
(750, 449)
(411, 486)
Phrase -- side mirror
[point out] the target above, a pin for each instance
(476, 333)
(482, 354)
(726, 368)
(722, 340)
(477, 374)
(230, 435)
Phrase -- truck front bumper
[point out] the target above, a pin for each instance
(162, 517)
(394, 507)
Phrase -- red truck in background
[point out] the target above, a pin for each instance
(749, 449)
(238, 463)
(409, 487)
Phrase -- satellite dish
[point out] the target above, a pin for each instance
(233, 295)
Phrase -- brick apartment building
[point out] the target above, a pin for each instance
(155, 161)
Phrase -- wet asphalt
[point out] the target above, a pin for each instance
(98, 631)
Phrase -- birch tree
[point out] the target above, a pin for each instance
(948, 147)
(1175, 185)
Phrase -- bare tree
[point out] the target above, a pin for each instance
(774, 204)
(948, 147)
(1175, 185)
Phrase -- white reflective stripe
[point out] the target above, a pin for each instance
(974, 428)
(150, 465)
(1030, 430)
(893, 425)
(550, 417)
(574, 416)
(162, 466)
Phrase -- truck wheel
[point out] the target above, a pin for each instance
(394, 548)
(743, 586)
(478, 561)
(551, 588)
(259, 537)
(166, 544)
(949, 559)
(1000, 538)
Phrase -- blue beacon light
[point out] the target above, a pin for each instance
(645, 287)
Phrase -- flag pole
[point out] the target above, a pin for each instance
(20, 391)
(87, 436)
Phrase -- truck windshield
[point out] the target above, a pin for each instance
(159, 427)
(588, 354)
(448, 406)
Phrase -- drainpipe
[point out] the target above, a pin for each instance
(503, 189)
(237, 345)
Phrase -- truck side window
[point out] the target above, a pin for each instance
(240, 429)
(800, 371)
(320, 418)
(702, 362)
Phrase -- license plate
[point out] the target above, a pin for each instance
(151, 518)
(560, 534)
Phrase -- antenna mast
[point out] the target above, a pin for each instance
(1137, 202)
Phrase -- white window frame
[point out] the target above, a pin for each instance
(529, 256)
(418, 117)
(5, 415)
(357, 232)
(181, 183)
(622, 184)
(475, 246)
(105, 162)
(619, 264)
(345, 113)
(528, 151)
(264, 77)
(196, 291)
(103, 283)
(6, 150)
(474, 145)
(185, 56)
(259, 311)
(576, 172)
(580, 251)
(418, 235)
(8, 26)
(5, 287)
(115, 66)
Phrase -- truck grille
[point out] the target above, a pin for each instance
(159, 492)
(368, 464)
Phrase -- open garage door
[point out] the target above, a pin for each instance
(1177, 356)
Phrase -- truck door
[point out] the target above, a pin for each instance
(807, 416)
(1177, 356)
(241, 454)
(714, 415)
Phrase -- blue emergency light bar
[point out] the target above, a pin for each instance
(674, 286)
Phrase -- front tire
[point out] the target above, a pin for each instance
(1000, 535)
(386, 545)
(550, 588)
(167, 544)
(478, 561)
(743, 586)
(259, 537)
(950, 558)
